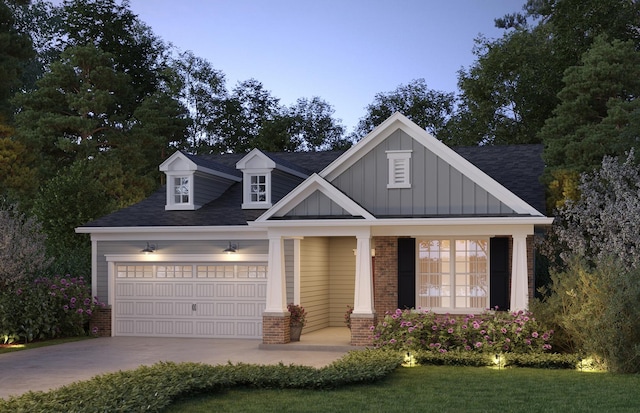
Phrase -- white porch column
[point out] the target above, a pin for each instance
(519, 274)
(363, 299)
(276, 284)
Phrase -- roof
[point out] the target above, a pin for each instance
(516, 167)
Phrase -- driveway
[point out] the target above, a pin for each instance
(50, 367)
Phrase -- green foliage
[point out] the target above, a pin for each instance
(154, 388)
(598, 109)
(541, 360)
(429, 109)
(22, 247)
(452, 358)
(594, 298)
(45, 308)
(490, 332)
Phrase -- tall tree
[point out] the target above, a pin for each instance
(511, 89)
(15, 51)
(598, 114)
(428, 108)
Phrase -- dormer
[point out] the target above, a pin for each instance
(256, 170)
(193, 182)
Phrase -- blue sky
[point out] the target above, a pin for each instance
(344, 51)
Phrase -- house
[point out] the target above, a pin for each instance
(397, 221)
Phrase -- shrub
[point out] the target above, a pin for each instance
(45, 308)
(154, 388)
(491, 331)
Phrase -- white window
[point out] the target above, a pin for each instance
(452, 275)
(399, 169)
(181, 190)
(257, 190)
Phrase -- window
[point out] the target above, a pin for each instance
(453, 274)
(399, 169)
(181, 190)
(258, 188)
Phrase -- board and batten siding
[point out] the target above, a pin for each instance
(316, 205)
(314, 282)
(192, 247)
(437, 188)
(342, 278)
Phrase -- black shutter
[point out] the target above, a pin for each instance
(499, 273)
(406, 273)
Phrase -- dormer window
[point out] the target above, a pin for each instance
(399, 169)
(258, 190)
(181, 190)
(256, 170)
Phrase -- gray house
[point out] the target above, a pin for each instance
(398, 221)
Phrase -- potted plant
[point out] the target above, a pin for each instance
(347, 316)
(297, 321)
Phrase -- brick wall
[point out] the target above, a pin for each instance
(361, 334)
(386, 275)
(101, 320)
(276, 329)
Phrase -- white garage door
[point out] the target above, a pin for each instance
(219, 300)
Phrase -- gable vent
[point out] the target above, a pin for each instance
(399, 169)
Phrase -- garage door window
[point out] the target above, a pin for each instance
(232, 271)
(174, 271)
(135, 271)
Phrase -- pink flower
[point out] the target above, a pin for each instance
(478, 344)
(534, 334)
(450, 331)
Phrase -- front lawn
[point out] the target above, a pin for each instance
(8, 348)
(442, 389)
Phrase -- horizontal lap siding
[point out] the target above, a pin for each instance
(314, 282)
(342, 274)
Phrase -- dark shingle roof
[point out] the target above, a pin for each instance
(517, 167)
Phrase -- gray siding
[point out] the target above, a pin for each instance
(317, 204)
(206, 187)
(281, 184)
(436, 187)
(167, 247)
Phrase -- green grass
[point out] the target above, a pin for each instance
(9, 348)
(442, 389)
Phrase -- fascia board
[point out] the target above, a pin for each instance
(165, 166)
(211, 233)
(159, 257)
(305, 189)
(242, 163)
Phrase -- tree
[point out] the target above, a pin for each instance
(202, 91)
(598, 113)
(595, 295)
(22, 246)
(15, 51)
(308, 125)
(430, 109)
(510, 91)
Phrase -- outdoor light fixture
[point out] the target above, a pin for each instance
(149, 248)
(409, 360)
(231, 249)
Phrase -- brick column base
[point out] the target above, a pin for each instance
(361, 334)
(101, 322)
(275, 328)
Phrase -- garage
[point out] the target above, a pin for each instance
(204, 299)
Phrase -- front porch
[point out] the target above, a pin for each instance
(325, 339)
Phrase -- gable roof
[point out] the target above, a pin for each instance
(512, 171)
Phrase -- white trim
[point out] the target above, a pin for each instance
(466, 168)
(94, 268)
(193, 167)
(171, 204)
(304, 190)
(186, 258)
(246, 189)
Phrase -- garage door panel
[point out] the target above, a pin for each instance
(219, 302)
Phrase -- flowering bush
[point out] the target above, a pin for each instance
(491, 331)
(298, 314)
(347, 316)
(45, 308)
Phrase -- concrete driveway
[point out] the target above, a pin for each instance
(50, 367)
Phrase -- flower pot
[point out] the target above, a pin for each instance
(295, 330)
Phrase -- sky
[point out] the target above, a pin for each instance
(344, 51)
